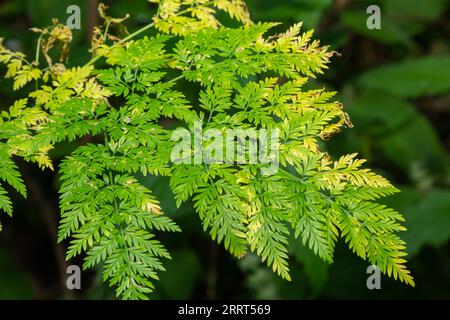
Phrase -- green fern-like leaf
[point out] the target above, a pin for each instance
(248, 78)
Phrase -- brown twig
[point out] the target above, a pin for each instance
(92, 17)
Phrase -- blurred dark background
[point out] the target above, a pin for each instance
(394, 83)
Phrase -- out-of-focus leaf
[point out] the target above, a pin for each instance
(390, 33)
(411, 78)
(41, 12)
(307, 11)
(387, 127)
(415, 143)
(260, 282)
(427, 217)
(315, 268)
(181, 274)
(378, 112)
(265, 285)
(400, 19)
(415, 9)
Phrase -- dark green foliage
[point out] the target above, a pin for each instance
(246, 79)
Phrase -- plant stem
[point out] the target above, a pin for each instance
(141, 30)
(38, 49)
(127, 38)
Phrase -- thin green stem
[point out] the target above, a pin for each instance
(127, 38)
(38, 49)
(106, 31)
(141, 30)
(175, 79)
(209, 117)
(121, 227)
